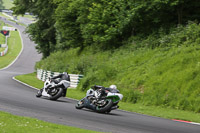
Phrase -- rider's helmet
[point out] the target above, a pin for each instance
(113, 87)
(65, 73)
(66, 76)
(90, 92)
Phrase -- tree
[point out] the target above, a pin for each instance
(67, 25)
(92, 22)
(43, 32)
(105, 24)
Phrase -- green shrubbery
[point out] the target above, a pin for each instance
(64, 24)
(163, 71)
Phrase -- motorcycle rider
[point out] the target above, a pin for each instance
(104, 90)
(113, 87)
(57, 79)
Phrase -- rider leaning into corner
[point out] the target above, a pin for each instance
(59, 78)
(103, 92)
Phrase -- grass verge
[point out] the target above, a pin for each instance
(14, 48)
(4, 16)
(2, 49)
(2, 39)
(6, 4)
(16, 124)
(168, 113)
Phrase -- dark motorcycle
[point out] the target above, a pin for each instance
(100, 103)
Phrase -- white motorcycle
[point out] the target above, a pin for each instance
(52, 92)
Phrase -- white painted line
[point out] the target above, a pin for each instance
(195, 123)
(189, 122)
(24, 83)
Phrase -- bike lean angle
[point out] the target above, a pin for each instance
(51, 92)
(104, 104)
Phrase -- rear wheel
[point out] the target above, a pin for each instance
(56, 93)
(106, 107)
(80, 104)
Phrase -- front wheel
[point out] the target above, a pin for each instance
(106, 107)
(80, 104)
(39, 93)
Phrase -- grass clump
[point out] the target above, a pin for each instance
(16, 124)
(2, 49)
(2, 39)
(6, 4)
(31, 79)
(14, 48)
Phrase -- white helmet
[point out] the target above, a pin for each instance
(90, 92)
(113, 87)
(65, 73)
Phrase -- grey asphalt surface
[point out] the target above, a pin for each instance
(20, 100)
(25, 21)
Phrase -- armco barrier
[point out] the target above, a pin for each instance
(4, 46)
(4, 52)
(44, 74)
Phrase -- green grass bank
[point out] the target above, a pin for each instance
(2, 49)
(6, 4)
(14, 48)
(2, 37)
(160, 70)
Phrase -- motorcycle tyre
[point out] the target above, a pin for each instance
(108, 111)
(79, 106)
(105, 109)
(57, 95)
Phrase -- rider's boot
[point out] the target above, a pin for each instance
(64, 92)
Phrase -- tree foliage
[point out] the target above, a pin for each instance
(42, 32)
(63, 24)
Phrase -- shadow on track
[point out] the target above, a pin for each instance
(92, 111)
(59, 100)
